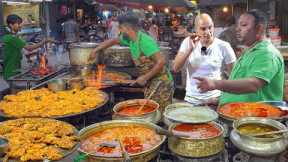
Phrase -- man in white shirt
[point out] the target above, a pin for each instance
(204, 55)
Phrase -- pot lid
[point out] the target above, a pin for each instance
(187, 113)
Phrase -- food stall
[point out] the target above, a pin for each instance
(50, 120)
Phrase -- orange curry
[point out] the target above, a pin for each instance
(239, 110)
(134, 110)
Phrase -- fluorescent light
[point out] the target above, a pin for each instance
(15, 3)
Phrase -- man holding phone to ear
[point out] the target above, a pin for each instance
(204, 56)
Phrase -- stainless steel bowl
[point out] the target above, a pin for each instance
(57, 85)
(79, 53)
(255, 145)
(153, 116)
(75, 83)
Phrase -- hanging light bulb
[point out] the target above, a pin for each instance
(150, 7)
(225, 9)
(166, 10)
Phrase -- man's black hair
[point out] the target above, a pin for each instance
(260, 17)
(128, 19)
(13, 19)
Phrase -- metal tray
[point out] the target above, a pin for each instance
(65, 152)
(106, 98)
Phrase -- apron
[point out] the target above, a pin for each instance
(164, 93)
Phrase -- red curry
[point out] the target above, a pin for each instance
(239, 110)
(134, 110)
(197, 131)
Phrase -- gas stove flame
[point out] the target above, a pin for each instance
(100, 76)
(43, 68)
(43, 62)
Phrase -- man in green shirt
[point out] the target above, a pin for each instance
(14, 45)
(147, 58)
(259, 73)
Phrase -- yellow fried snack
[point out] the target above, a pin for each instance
(45, 103)
(32, 139)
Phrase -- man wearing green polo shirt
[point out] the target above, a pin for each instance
(259, 73)
(13, 46)
(154, 74)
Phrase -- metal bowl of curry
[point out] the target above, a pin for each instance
(233, 111)
(202, 140)
(100, 141)
(131, 110)
(266, 145)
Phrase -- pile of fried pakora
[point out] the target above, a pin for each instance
(45, 103)
(38, 138)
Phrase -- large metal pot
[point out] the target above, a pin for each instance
(79, 53)
(196, 148)
(153, 116)
(255, 145)
(139, 157)
(117, 56)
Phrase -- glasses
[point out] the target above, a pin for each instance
(204, 51)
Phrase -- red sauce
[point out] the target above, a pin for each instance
(134, 110)
(239, 110)
(198, 131)
(133, 144)
(105, 149)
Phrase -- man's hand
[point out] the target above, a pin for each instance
(140, 80)
(194, 38)
(181, 57)
(205, 84)
(214, 101)
(93, 55)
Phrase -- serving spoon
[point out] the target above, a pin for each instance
(269, 133)
(162, 131)
(149, 97)
(125, 154)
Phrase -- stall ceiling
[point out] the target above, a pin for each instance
(219, 2)
(161, 3)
